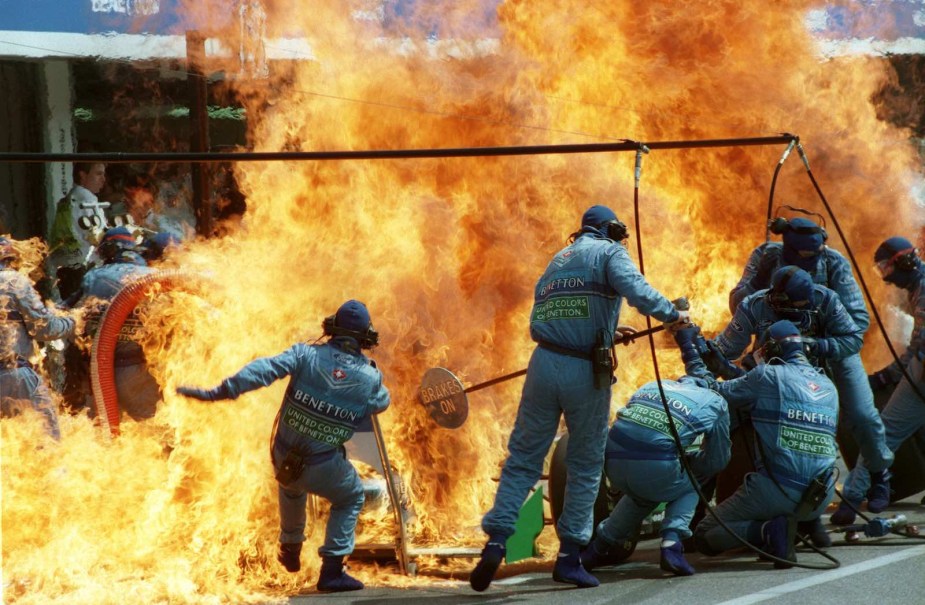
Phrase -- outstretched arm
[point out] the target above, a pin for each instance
(257, 374)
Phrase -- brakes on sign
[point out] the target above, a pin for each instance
(445, 398)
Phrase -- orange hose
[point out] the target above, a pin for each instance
(102, 353)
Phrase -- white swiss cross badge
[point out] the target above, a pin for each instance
(339, 374)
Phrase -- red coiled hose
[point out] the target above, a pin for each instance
(102, 353)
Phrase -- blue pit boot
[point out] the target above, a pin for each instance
(569, 570)
(334, 576)
(844, 515)
(600, 554)
(816, 532)
(673, 560)
(878, 496)
(487, 567)
(288, 555)
(777, 536)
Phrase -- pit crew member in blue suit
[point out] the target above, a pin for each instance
(794, 409)
(333, 389)
(803, 245)
(576, 306)
(24, 318)
(137, 389)
(642, 462)
(904, 413)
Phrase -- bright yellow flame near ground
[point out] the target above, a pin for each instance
(445, 253)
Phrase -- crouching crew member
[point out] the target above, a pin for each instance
(333, 388)
(803, 246)
(794, 409)
(832, 340)
(904, 413)
(575, 313)
(642, 462)
(24, 317)
(137, 389)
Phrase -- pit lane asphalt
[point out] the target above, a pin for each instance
(876, 571)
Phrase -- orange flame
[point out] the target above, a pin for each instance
(445, 252)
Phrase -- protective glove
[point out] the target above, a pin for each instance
(762, 277)
(749, 362)
(717, 363)
(816, 348)
(686, 335)
(880, 380)
(687, 338)
(216, 394)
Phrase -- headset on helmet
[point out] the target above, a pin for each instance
(615, 230)
(367, 338)
(782, 340)
(604, 220)
(116, 240)
(780, 225)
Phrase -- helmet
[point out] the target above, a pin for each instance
(781, 341)
(802, 237)
(896, 259)
(114, 241)
(7, 251)
(352, 320)
(605, 221)
(791, 292)
(154, 246)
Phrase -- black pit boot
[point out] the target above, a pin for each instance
(288, 555)
(334, 577)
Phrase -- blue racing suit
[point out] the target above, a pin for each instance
(333, 389)
(828, 322)
(23, 317)
(834, 324)
(904, 413)
(137, 390)
(831, 270)
(577, 299)
(794, 409)
(642, 457)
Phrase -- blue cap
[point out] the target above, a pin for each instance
(597, 215)
(352, 315)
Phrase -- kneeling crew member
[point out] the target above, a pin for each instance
(794, 409)
(642, 462)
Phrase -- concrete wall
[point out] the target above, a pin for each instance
(58, 130)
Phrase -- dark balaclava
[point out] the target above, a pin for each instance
(804, 241)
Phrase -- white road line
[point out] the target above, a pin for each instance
(828, 576)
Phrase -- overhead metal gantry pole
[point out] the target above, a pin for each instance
(388, 154)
